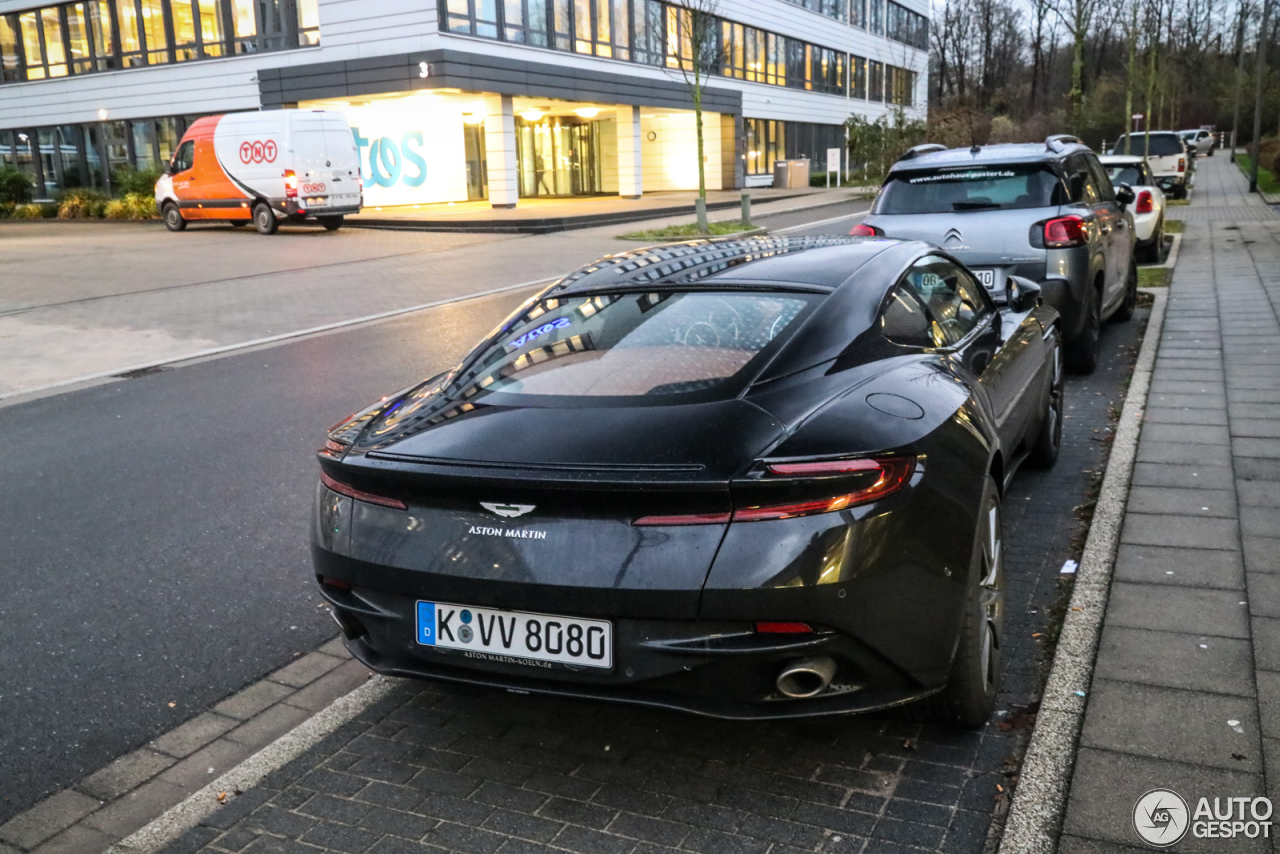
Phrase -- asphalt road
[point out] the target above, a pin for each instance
(155, 532)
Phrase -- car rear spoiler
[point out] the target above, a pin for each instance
(916, 150)
(1059, 141)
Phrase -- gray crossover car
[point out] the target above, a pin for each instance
(1046, 211)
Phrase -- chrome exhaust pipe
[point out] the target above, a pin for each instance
(806, 677)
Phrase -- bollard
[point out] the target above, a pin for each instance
(746, 208)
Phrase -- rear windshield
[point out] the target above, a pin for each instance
(1162, 145)
(634, 345)
(1131, 175)
(1011, 187)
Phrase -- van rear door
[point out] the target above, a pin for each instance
(325, 159)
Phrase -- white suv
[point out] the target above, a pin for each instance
(1166, 155)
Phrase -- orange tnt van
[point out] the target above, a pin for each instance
(266, 168)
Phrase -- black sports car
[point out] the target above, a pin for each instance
(746, 478)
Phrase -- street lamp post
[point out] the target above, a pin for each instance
(1260, 66)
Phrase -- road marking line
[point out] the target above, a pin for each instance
(817, 223)
(183, 816)
(1045, 778)
(271, 339)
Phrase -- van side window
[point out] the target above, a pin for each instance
(184, 156)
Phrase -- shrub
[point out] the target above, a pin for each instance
(132, 206)
(28, 211)
(15, 186)
(81, 204)
(140, 182)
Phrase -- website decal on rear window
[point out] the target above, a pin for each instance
(961, 176)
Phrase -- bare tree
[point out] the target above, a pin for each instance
(1077, 17)
(697, 54)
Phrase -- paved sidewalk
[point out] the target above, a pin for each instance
(1186, 690)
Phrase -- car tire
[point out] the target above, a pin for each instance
(1150, 251)
(264, 219)
(173, 217)
(1083, 350)
(331, 223)
(1130, 302)
(970, 695)
(1044, 453)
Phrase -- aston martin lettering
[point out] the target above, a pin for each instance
(538, 637)
(517, 533)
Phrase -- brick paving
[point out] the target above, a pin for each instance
(437, 767)
(1186, 689)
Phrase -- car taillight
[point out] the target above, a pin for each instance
(1065, 232)
(359, 494)
(893, 474)
(864, 230)
(290, 184)
(766, 628)
(1182, 164)
(1145, 203)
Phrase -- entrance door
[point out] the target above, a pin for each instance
(558, 156)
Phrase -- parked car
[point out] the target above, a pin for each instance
(1203, 141)
(695, 476)
(1166, 154)
(265, 168)
(1043, 211)
(1148, 206)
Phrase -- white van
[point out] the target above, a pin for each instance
(265, 168)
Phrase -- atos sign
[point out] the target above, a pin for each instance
(392, 161)
(258, 151)
(412, 150)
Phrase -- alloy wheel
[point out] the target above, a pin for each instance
(992, 596)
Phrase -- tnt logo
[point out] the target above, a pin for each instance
(313, 188)
(258, 151)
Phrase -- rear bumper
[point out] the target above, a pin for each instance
(719, 668)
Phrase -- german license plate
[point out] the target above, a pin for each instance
(519, 634)
(318, 202)
(987, 277)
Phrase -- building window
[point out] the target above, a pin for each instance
(900, 86)
(875, 81)
(766, 144)
(101, 35)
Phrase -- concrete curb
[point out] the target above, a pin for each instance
(1035, 816)
(187, 814)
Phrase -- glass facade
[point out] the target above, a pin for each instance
(64, 157)
(102, 35)
(652, 32)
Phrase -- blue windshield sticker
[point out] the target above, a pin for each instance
(541, 330)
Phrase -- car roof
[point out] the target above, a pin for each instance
(1153, 133)
(1121, 158)
(812, 263)
(1023, 152)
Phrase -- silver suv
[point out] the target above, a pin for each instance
(1044, 211)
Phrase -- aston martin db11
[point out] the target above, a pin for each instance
(746, 478)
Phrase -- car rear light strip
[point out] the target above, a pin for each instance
(864, 230)
(895, 473)
(776, 628)
(359, 494)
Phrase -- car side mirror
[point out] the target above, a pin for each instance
(168, 168)
(1021, 294)
(1125, 194)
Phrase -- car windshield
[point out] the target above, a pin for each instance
(1162, 144)
(632, 345)
(1126, 174)
(971, 188)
